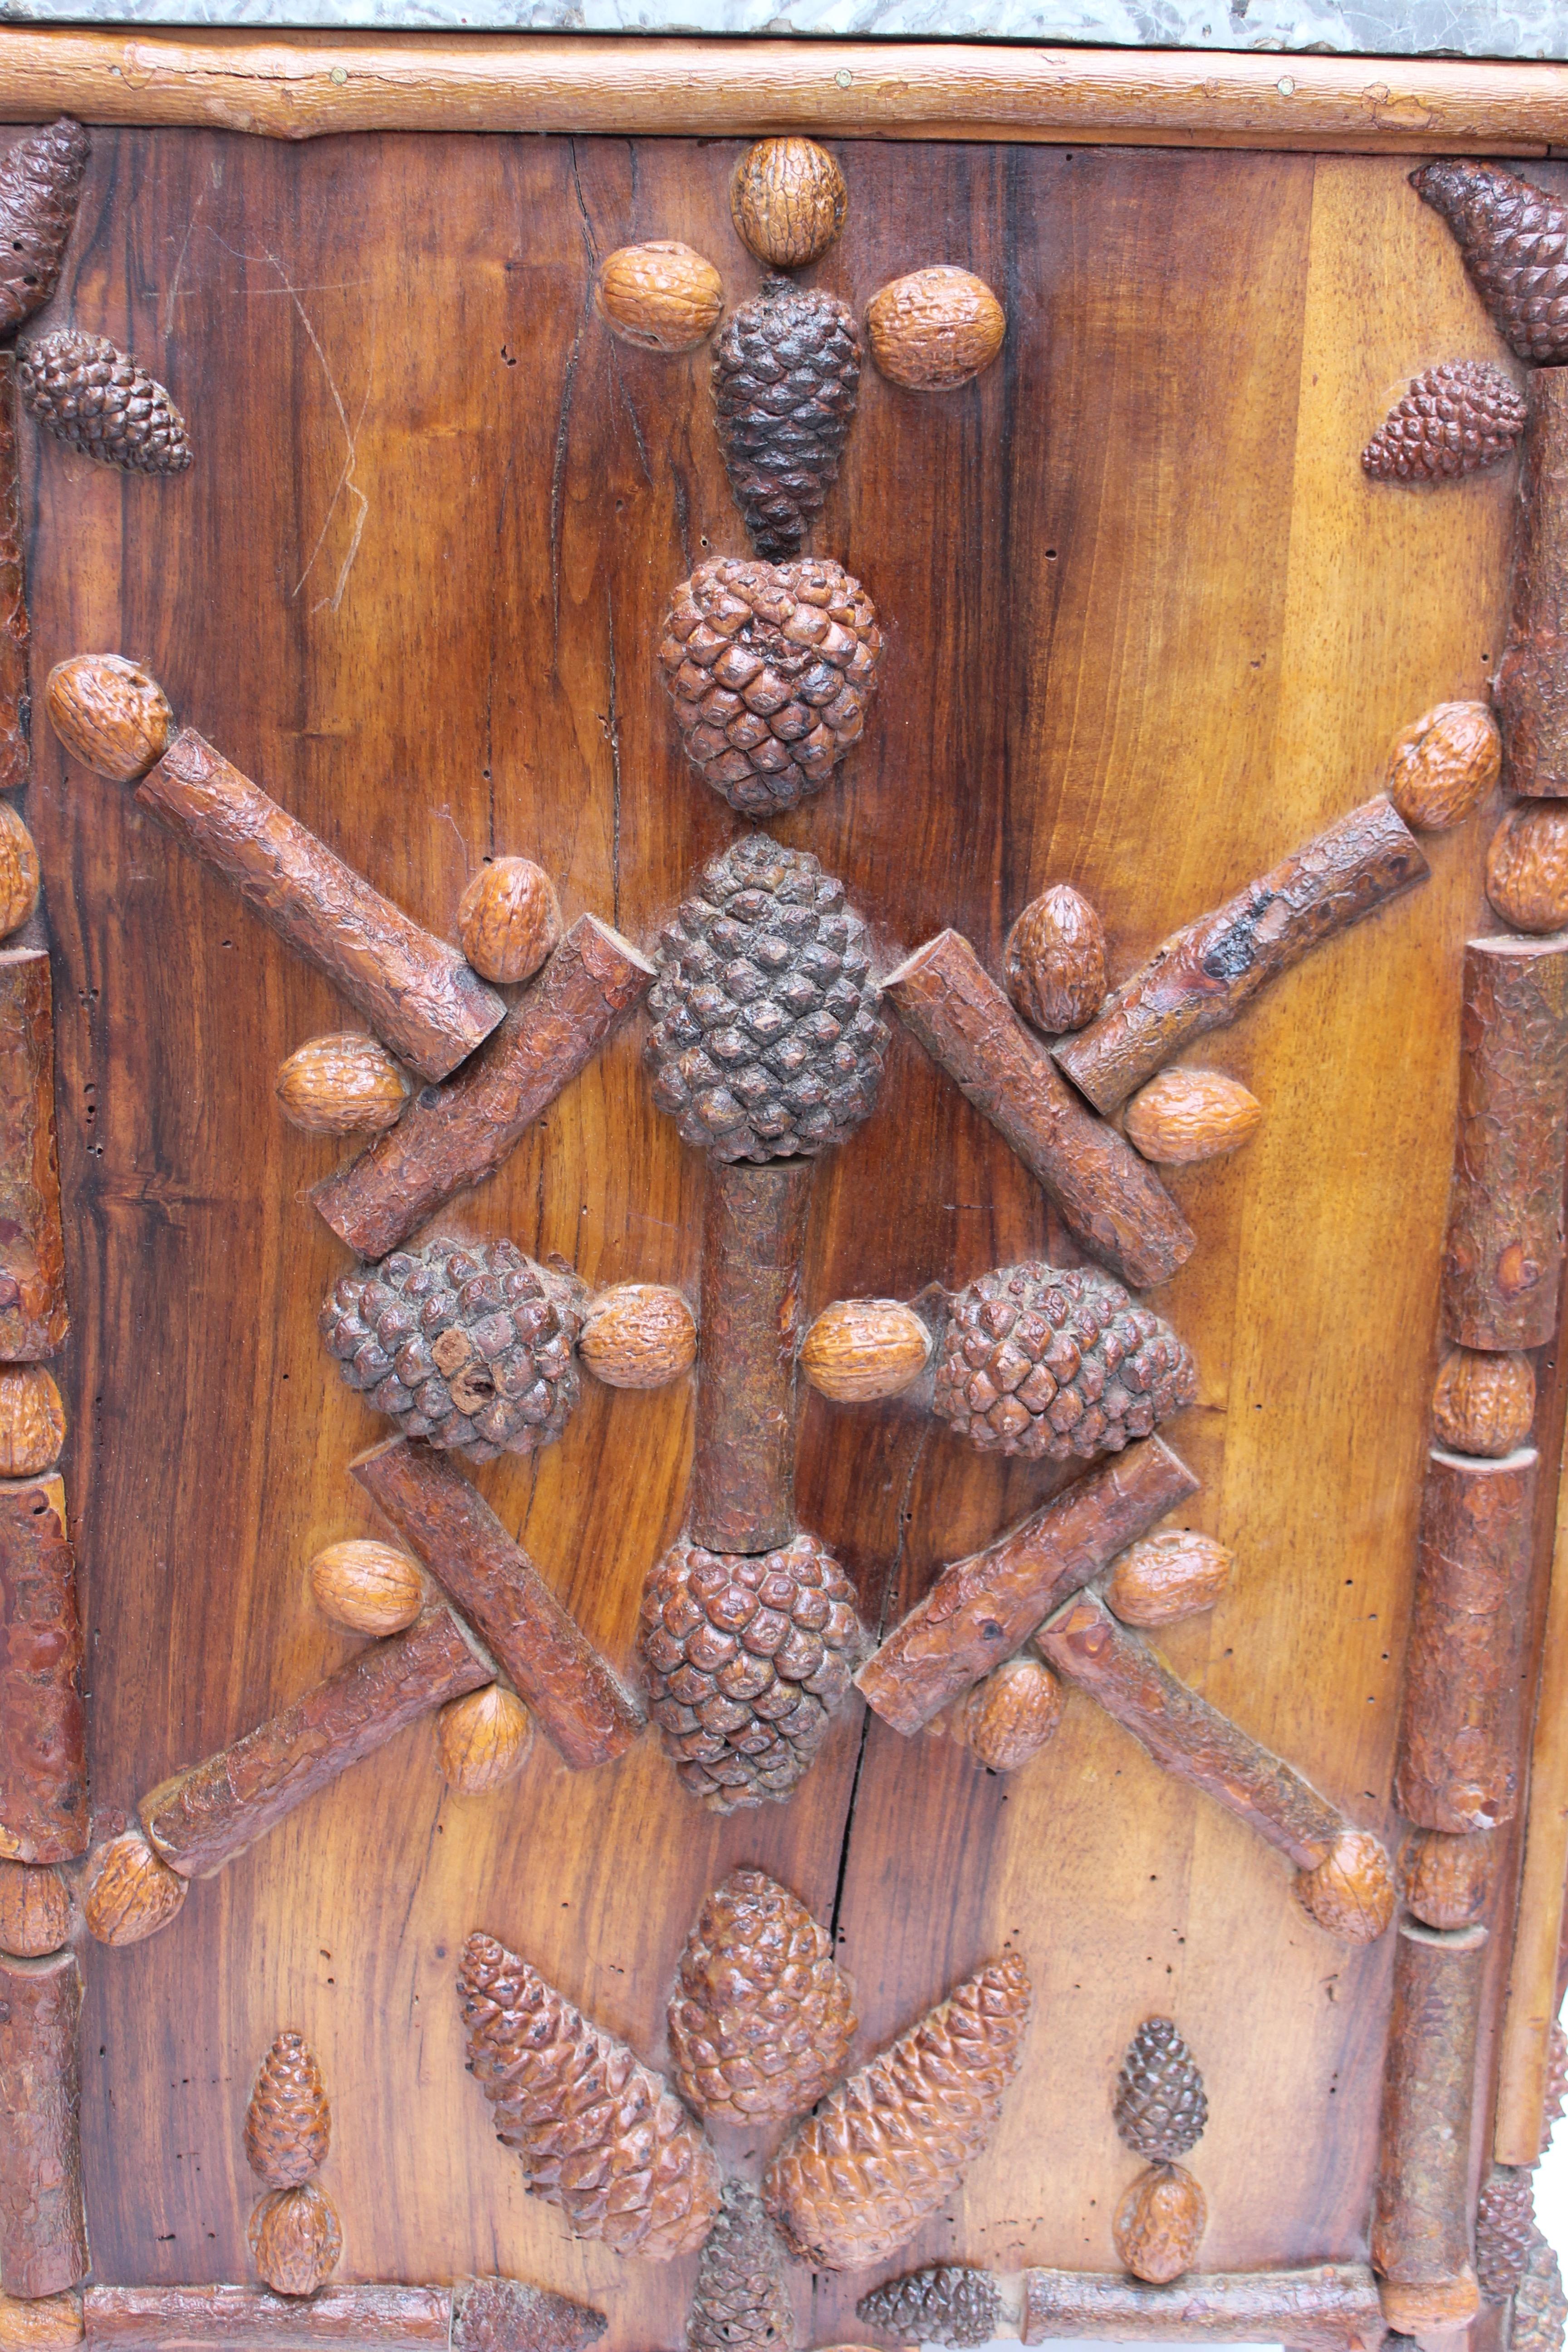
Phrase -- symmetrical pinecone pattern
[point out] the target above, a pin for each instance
(288, 2124)
(1514, 240)
(785, 377)
(40, 187)
(1454, 420)
(1052, 1363)
(886, 2147)
(761, 2017)
(1161, 2108)
(597, 2132)
(946, 2303)
(769, 667)
(1505, 2225)
(766, 1040)
(747, 1660)
(496, 2314)
(87, 391)
(740, 2303)
(1539, 2309)
(469, 1345)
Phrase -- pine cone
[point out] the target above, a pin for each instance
(40, 188)
(597, 2132)
(1454, 419)
(747, 1659)
(288, 2124)
(1052, 1363)
(886, 2147)
(89, 393)
(785, 380)
(499, 2315)
(1539, 2310)
(1556, 2077)
(766, 1039)
(1512, 236)
(761, 2017)
(946, 2303)
(1505, 2224)
(1161, 2108)
(468, 1345)
(771, 667)
(742, 2302)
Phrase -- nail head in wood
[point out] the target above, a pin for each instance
(1182, 1117)
(788, 201)
(662, 296)
(347, 1084)
(110, 714)
(130, 1892)
(1054, 960)
(861, 1348)
(1167, 1577)
(32, 1421)
(1483, 1402)
(509, 919)
(34, 1911)
(1443, 765)
(637, 1335)
(482, 1742)
(368, 1587)
(935, 329)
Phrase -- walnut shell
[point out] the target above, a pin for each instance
(295, 2238)
(1444, 764)
(18, 871)
(1448, 1879)
(131, 1891)
(32, 1421)
(1483, 1403)
(936, 329)
(347, 1084)
(638, 1335)
(1527, 868)
(368, 1587)
(858, 1349)
(509, 918)
(1169, 1576)
(662, 296)
(1160, 2224)
(45, 2323)
(788, 199)
(1010, 1715)
(1054, 960)
(1184, 1116)
(482, 1740)
(110, 714)
(1350, 1893)
(35, 1910)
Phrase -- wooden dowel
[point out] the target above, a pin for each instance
(577, 1701)
(1503, 1256)
(201, 1818)
(982, 1609)
(43, 1739)
(1332, 2307)
(593, 980)
(1531, 686)
(742, 1471)
(355, 2319)
(33, 1319)
(43, 2226)
(13, 759)
(1420, 2233)
(1111, 1201)
(1207, 971)
(415, 990)
(1461, 1720)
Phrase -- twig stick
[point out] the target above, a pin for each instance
(33, 1321)
(742, 1473)
(13, 759)
(1532, 682)
(43, 1738)
(1420, 2234)
(1332, 2307)
(43, 2226)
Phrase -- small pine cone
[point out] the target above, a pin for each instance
(747, 1658)
(596, 2132)
(1556, 2077)
(1053, 1364)
(1505, 2224)
(890, 2144)
(761, 2017)
(288, 2124)
(946, 2303)
(769, 667)
(1512, 236)
(468, 1345)
(742, 2303)
(499, 2315)
(89, 393)
(296, 2239)
(1539, 2310)
(1161, 2108)
(40, 187)
(1454, 420)
(1160, 2223)
(785, 377)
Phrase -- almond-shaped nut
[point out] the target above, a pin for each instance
(935, 329)
(295, 2240)
(1160, 2224)
(18, 871)
(1447, 1878)
(482, 1740)
(1444, 764)
(347, 1084)
(1184, 1116)
(1009, 1715)
(32, 1421)
(1168, 1576)
(1054, 960)
(110, 713)
(662, 296)
(368, 1587)
(1350, 1893)
(860, 1348)
(788, 199)
(1527, 868)
(132, 1892)
(1483, 1403)
(35, 1910)
(638, 1335)
(509, 919)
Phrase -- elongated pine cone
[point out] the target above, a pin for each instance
(747, 1658)
(761, 2017)
(769, 667)
(1505, 2224)
(1512, 236)
(469, 1345)
(89, 393)
(888, 2146)
(1454, 420)
(785, 376)
(1539, 2309)
(1052, 1364)
(740, 2303)
(499, 2315)
(766, 1039)
(596, 2132)
(946, 2303)
(1161, 2107)
(288, 2124)
(40, 188)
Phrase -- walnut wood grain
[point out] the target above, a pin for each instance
(981, 1608)
(593, 980)
(579, 1704)
(1328, 2307)
(753, 1235)
(14, 710)
(43, 2226)
(200, 1819)
(1111, 1201)
(33, 1318)
(43, 1740)
(1420, 2226)
(1522, 2128)
(1503, 1256)
(356, 2318)
(1203, 975)
(416, 992)
(1532, 684)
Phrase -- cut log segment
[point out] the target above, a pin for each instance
(43, 2226)
(1532, 684)
(14, 746)
(33, 1319)
(1205, 973)
(1330, 2307)
(43, 1739)
(753, 1237)
(591, 983)
(1420, 2225)
(349, 2318)
(1530, 2059)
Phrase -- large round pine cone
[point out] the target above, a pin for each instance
(890, 2145)
(1052, 1363)
(40, 187)
(771, 667)
(784, 379)
(1505, 2224)
(597, 2132)
(766, 1040)
(740, 2303)
(469, 1345)
(1161, 2108)
(1511, 235)
(747, 1659)
(761, 2017)
(86, 390)
(288, 2124)
(1540, 2311)
(946, 2303)
(1454, 419)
